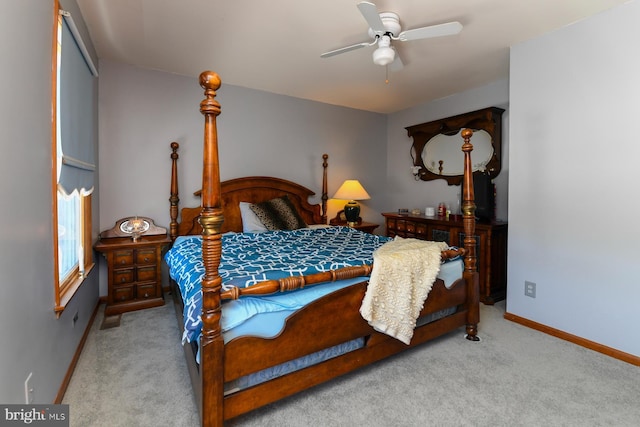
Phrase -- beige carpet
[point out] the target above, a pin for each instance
(135, 375)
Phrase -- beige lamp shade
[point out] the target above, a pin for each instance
(351, 189)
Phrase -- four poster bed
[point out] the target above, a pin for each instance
(316, 339)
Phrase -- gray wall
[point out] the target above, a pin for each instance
(572, 200)
(33, 340)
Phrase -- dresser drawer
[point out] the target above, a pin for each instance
(146, 273)
(146, 256)
(122, 276)
(123, 257)
(146, 290)
(122, 293)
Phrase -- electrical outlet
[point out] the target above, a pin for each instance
(28, 389)
(530, 289)
(75, 319)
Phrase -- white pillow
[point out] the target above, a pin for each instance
(250, 221)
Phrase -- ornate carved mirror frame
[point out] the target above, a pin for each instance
(443, 134)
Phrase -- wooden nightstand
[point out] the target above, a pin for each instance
(367, 227)
(135, 275)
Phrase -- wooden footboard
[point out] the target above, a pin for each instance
(306, 332)
(317, 327)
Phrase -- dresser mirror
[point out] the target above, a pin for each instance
(436, 145)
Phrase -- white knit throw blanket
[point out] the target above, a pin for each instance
(403, 273)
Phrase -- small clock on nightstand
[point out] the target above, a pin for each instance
(133, 250)
(340, 219)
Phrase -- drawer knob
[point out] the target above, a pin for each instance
(146, 295)
(122, 261)
(123, 279)
(146, 259)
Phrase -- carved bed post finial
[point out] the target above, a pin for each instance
(211, 218)
(174, 199)
(325, 190)
(469, 223)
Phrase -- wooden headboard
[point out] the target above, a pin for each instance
(251, 189)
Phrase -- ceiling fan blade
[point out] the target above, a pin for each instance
(448, 29)
(397, 64)
(344, 49)
(370, 12)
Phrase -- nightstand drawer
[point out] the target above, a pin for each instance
(146, 273)
(123, 257)
(146, 290)
(146, 256)
(122, 276)
(122, 293)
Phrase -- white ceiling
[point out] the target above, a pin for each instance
(275, 45)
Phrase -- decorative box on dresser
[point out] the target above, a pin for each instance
(491, 246)
(134, 270)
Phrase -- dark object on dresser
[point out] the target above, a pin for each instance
(485, 194)
(491, 246)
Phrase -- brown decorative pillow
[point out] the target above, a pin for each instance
(278, 214)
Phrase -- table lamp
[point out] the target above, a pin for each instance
(351, 190)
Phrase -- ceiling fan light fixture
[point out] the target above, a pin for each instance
(383, 56)
(385, 27)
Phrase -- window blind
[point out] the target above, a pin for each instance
(78, 94)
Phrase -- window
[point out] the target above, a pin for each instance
(74, 129)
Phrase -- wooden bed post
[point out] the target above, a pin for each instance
(174, 199)
(325, 190)
(469, 223)
(211, 218)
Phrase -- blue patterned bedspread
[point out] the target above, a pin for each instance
(249, 258)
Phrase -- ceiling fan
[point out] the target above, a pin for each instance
(385, 27)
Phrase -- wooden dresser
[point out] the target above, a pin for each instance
(491, 246)
(135, 275)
